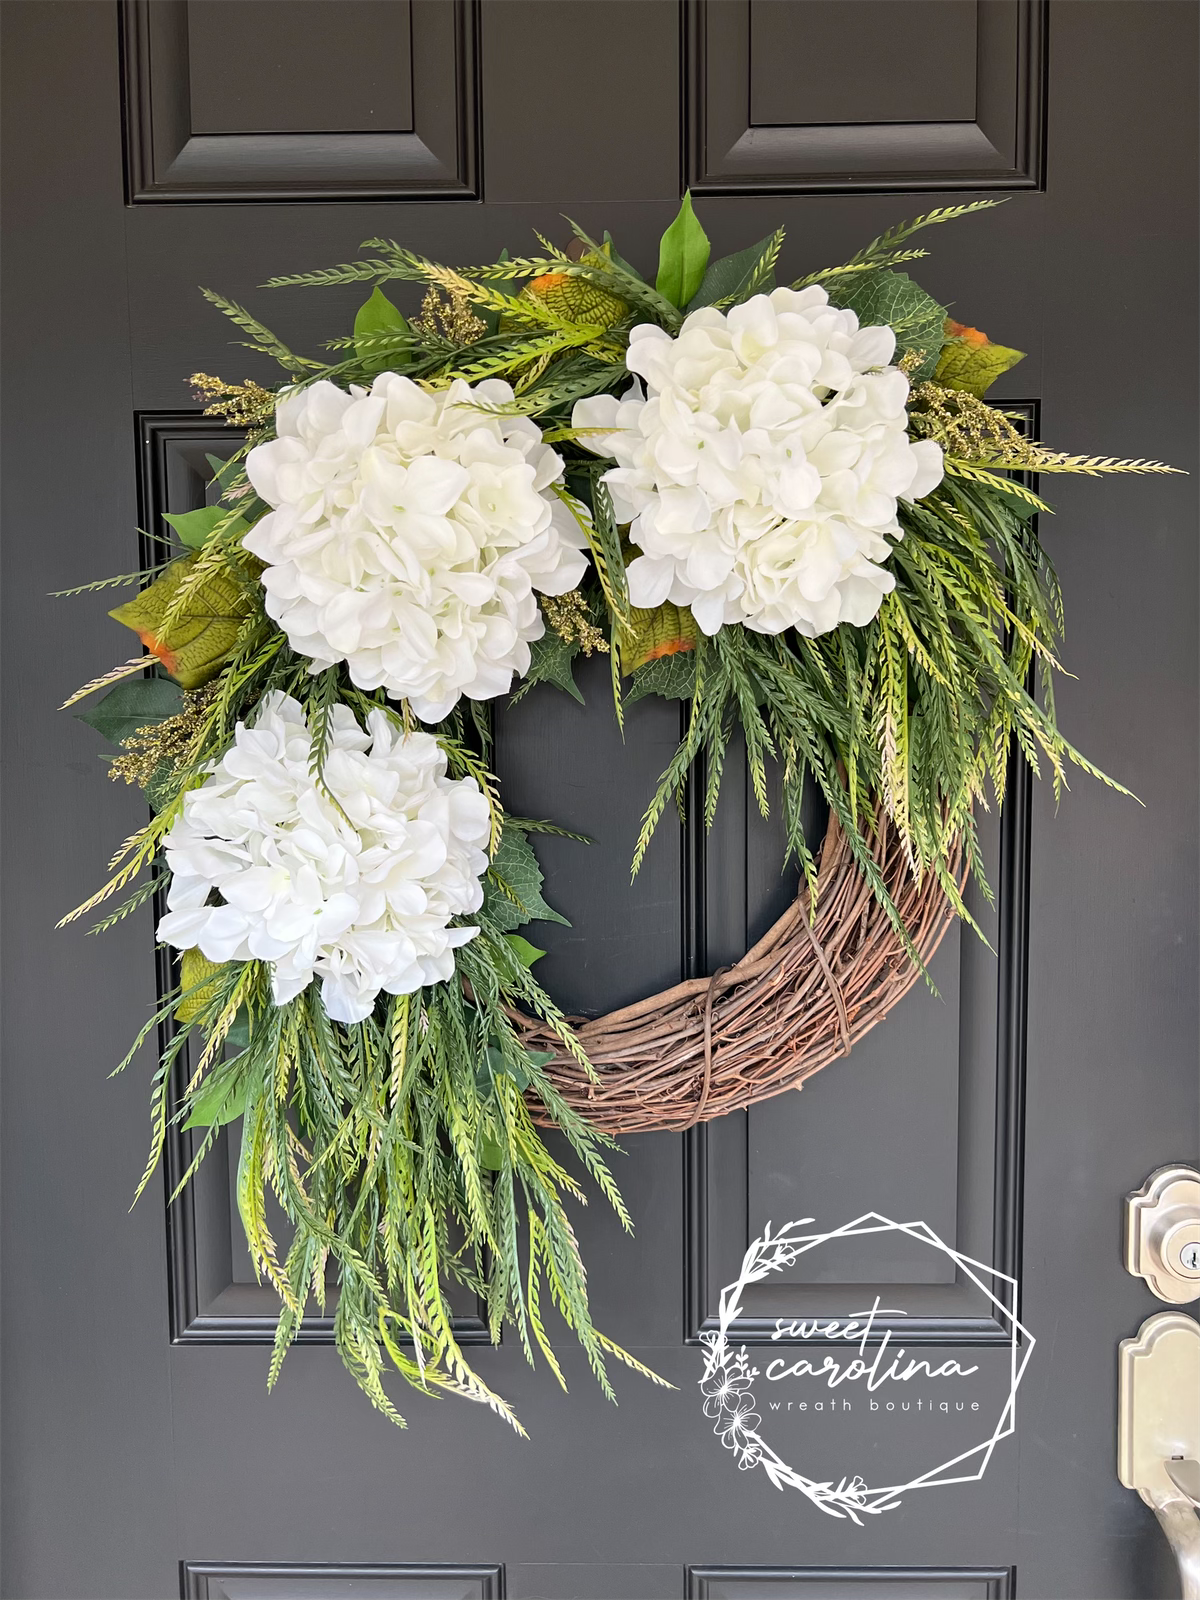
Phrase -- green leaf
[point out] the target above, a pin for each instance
(197, 975)
(667, 630)
(672, 677)
(239, 1031)
(138, 703)
(551, 660)
(194, 527)
(491, 1154)
(198, 642)
(892, 298)
(223, 472)
(497, 1063)
(525, 952)
(615, 256)
(513, 888)
(162, 786)
(1012, 502)
(683, 255)
(219, 1099)
(377, 315)
(973, 365)
(729, 278)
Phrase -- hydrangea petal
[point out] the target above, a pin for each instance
(760, 473)
(402, 520)
(359, 890)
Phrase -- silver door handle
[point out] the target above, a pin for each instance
(1158, 1432)
(1176, 1513)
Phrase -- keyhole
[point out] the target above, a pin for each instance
(1189, 1257)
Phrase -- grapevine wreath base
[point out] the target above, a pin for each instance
(797, 1000)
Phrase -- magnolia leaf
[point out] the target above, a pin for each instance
(223, 472)
(513, 888)
(377, 315)
(683, 254)
(551, 660)
(497, 1063)
(221, 1098)
(196, 969)
(200, 639)
(491, 1154)
(525, 952)
(665, 631)
(491, 316)
(971, 362)
(893, 298)
(194, 527)
(138, 703)
(728, 278)
(1014, 502)
(673, 677)
(619, 260)
(238, 1036)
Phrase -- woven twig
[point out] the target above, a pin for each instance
(799, 999)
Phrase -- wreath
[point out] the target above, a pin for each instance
(789, 507)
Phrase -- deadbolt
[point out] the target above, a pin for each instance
(1162, 1234)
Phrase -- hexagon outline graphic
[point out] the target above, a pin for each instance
(727, 1376)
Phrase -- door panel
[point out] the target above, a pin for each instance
(894, 1583)
(337, 98)
(942, 96)
(226, 1581)
(1053, 1071)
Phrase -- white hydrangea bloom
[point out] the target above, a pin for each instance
(409, 533)
(761, 470)
(361, 899)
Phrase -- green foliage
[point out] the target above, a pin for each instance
(917, 712)
(683, 255)
(513, 893)
(673, 677)
(880, 250)
(261, 339)
(222, 1097)
(191, 616)
(195, 527)
(525, 952)
(377, 316)
(894, 300)
(974, 365)
(551, 660)
(403, 1151)
(735, 278)
(666, 630)
(135, 704)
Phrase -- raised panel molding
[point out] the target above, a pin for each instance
(213, 1297)
(235, 1580)
(436, 156)
(849, 1583)
(1001, 147)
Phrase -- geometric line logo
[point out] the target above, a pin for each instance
(728, 1375)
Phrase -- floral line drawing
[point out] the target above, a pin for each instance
(728, 1376)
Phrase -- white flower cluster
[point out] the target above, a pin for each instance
(409, 533)
(761, 470)
(361, 897)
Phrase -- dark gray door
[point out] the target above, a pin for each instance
(161, 144)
